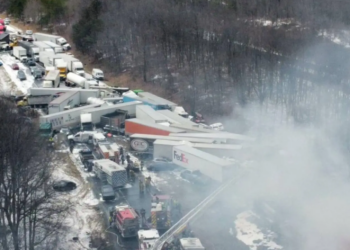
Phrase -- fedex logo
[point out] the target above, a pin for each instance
(180, 157)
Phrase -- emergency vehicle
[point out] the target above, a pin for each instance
(126, 221)
(161, 212)
(147, 238)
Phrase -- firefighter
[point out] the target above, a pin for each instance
(148, 183)
(132, 176)
(122, 159)
(121, 150)
(71, 147)
(110, 220)
(143, 216)
(141, 186)
(141, 165)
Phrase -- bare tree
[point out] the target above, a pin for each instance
(29, 210)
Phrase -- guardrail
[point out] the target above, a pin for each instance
(190, 216)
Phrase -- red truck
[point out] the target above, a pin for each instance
(126, 220)
(2, 27)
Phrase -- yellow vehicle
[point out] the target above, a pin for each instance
(13, 43)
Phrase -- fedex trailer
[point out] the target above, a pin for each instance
(209, 165)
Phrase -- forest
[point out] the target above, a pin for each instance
(212, 56)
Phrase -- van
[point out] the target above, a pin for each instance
(97, 74)
(84, 136)
(97, 138)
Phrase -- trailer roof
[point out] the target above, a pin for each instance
(155, 125)
(150, 111)
(69, 111)
(155, 98)
(52, 74)
(171, 143)
(224, 135)
(217, 146)
(191, 243)
(107, 166)
(62, 98)
(171, 138)
(194, 128)
(176, 117)
(205, 156)
(112, 107)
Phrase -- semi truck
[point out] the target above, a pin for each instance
(76, 80)
(43, 46)
(109, 151)
(52, 79)
(62, 66)
(20, 53)
(64, 102)
(146, 113)
(52, 38)
(126, 221)
(32, 50)
(74, 65)
(137, 126)
(57, 48)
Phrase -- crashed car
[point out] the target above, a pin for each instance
(64, 185)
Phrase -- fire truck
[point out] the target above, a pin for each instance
(161, 212)
(126, 220)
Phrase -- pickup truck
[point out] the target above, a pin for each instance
(86, 158)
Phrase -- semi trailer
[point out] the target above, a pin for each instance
(57, 48)
(52, 38)
(52, 79)
(74, 80)
(32, 50)
(20, 53)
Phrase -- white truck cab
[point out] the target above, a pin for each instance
(147, 238)
(97, 74)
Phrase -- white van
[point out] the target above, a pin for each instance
(97, 138)
(97, 74)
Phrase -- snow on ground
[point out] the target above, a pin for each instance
(6, 84)
(13, 29)
(341, 37)
(251, 235)
(83, 217)
(23, 86)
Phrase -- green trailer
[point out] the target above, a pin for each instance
(137, 91)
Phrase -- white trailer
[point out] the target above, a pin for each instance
(157, 99)
(209, 165)
(45, 58)
(74, 65)
(86, 122)
(96, 113)
(76, 80)
(175, 118)
(57, 48)
(32, 50)
(65, 101)
(66, 118)
(164, 148)
(193, 128)
(20, 53)
(52, 79)
(52, 38)
(218, 137)
(147, 113)
(43, 46)
(85, 94)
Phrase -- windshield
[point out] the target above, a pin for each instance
(80, 69)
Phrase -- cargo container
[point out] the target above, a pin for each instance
(143, 143)
(137, 126)
(52, 38)
(194, 159)
(39, 100)
(32, 50)
(62, 66)
(220, 150)
(65, 101)
(20, 53)
(84, 93)
(218, 137)
(146, 113)
(109, 151)
(129, 108)
(43, 46)
(52, 79)
(57, 48)
(66, 118)
(110, 172)
(177, 119)
(159, 100)
(86, 122)
(164, 148)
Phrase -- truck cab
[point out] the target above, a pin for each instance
(126, 221)
(86, 122)
(147, 238)
(84, 136)
(97, 74)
